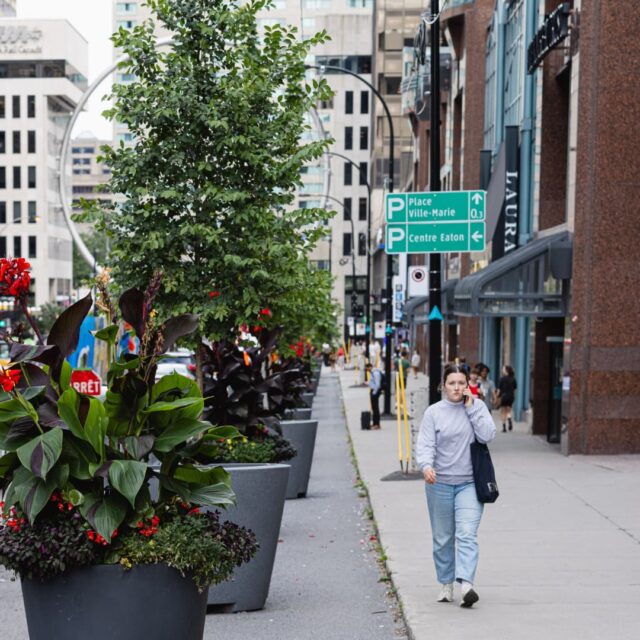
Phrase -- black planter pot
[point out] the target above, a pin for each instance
(302, 435)
(260, 490)
(107, 602)
(298, 413)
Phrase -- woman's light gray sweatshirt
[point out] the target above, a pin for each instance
(447, 430)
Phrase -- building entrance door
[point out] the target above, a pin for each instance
(554, 421)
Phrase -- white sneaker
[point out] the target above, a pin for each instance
(446, 593)
(469, 596)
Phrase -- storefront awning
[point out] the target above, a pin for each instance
(532, 281)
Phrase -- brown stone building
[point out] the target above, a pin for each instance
(543, 113)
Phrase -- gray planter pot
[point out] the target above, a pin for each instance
(104, 602)
(307, 398)
(302, 435)
(260, 489)
(298, 414)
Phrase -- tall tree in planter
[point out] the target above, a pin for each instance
(208, 184)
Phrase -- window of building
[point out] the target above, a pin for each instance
(364, 102)
(31, 141)
(17, 246)
(3, 247)
(123, 78)
(31, 106)
(3, 142)
(31, 206)
(362, 209)
(348, 102)
(17, 212)
(325, 104)
(3, 178)
(3, 212)
(347, 208)
(125, 137)
(126, 7)
(77, 161)
(362, 244)
(363, 173)
(2, 106)
(81, 172)
(348, 138)
(348, 177)
(32, 246)
(359, 4)
(17, 177)
(346, 244)
(82, 188)
(126, 24)
(316, 4)
(308, 24)
(16, 142)
(364, 137)
(31, 177)
(389, 85)
(15, 106)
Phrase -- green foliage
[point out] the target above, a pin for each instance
(83, 273)
(209, 183)
(197, 545)
(101, 454)
(47, 548)
(273, 448)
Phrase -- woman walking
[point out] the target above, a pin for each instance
(507, 386)
(444, 457)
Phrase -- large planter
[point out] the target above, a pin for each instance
(260, 490)
(302, 435)
(106, 602)
(307, 398)
(298, 413)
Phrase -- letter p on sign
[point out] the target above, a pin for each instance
(396, 239)
(395, 208)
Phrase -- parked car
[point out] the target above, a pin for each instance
(181, 361)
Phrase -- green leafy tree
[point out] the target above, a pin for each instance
(209, 182)
(82, 272)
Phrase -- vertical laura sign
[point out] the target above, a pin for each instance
(505, 239)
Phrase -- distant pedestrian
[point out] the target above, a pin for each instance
(474, 384)
(444, 457)
(415, 362)
(340, 358)
(375, 390)
(488, 387)
(332, 360)
(402, 362)
(326, 350)
(507, 386)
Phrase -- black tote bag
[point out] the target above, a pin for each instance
(484, 474)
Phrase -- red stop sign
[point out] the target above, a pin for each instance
(86, 381)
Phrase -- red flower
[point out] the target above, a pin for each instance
(257, 329)
(214, 294)
(292, 347)
(14, 277)
(9, 378)
(266, 312)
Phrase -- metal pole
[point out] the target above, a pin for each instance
(435, 324)
(367, 339)
(389, 280)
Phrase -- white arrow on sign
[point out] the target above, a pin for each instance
(476, 197)
(476, 236)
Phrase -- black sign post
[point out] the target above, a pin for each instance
(435, 270)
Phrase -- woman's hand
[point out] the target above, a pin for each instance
(429, 475)
(467, 397)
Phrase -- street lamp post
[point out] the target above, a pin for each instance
(367, 339)
(354, 294)
(389, 277)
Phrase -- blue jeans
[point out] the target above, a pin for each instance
(455, 515)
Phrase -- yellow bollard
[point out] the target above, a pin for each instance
(400, 452)
(405, 414)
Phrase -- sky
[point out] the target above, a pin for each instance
(93, 19)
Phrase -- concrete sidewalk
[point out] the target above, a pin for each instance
(560, 549)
